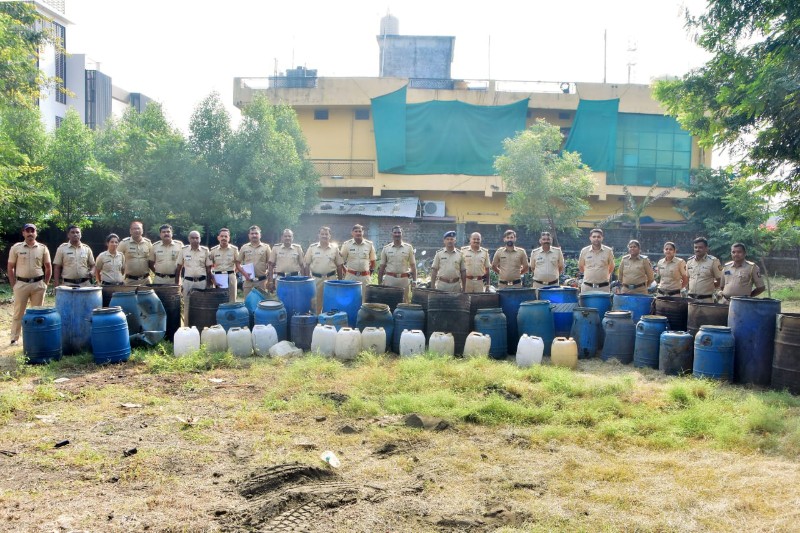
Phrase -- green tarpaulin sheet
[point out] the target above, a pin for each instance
(594, 133)
(442, 137)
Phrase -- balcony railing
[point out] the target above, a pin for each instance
(344, 168)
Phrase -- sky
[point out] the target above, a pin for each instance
(179, 51)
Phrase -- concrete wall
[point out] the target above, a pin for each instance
(415, 56)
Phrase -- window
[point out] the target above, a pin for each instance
(61, 62)
(320, 114)
(59, 120)
(362, 114)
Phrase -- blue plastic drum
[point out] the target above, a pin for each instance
(713, 353)
(344, 295)
(297, 294)
(41, 335)
(74, 306)
(110, 340)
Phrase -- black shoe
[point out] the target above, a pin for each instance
(13, 341)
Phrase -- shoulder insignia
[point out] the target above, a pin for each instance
(644, 257)
(126, 239)
(729, 263)
(185, 246)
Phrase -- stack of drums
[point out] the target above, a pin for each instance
(406, 317)
(752, 322)
(41, 335)
(492, 322)
(74, 306)
(344, 295)
(203, 305)
(170, 296)
(510, 301)
(786, 363)
(564, 300)
(272, 312)
(705, 314)
(383, 294)
(448, 312)
(676, 309)
(535, 319)
(620, 336)
(481, 300)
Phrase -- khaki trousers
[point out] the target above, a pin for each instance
(137, 282)
(319, 287)
(475, 285)
(25, 292)
(448, 287)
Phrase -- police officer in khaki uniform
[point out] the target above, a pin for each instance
(225, 261)
(596, 262)
(671, 270)
(286, 258)
(398, 265)
(110, 266)
(705, 272)
(73, 262)
(164, 257)
(323, 262)
(195, 262)
(254, 253)
(29, 271)
(547, 263)
(476, 261)
(510, 262)
(448, 271)
(136, 250)
(740, 276)
(635, 273)
(358, 255)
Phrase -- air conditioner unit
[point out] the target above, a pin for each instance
(433, 209)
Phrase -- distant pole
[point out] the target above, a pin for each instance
(489, 56)
(605, 53)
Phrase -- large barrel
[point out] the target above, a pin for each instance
(297, 294)
(233, 315)
(510, 300)
(301, 329)
(375, 316)
(110, 336)
(420, 296)
(448, 312)
(585, 328)
(334, 317)
(109, 290)
(383, 294)
(620, 336)
(41, 335)
(74, 306)
(676, 309)
(251, 303)
(648, 340)
(705, 314)
(786, 363)
(406, 317)
(602, 302)
(481, 300)
(564, 300)
(492, 322)
(272, 312)
(752, 322)
(714, 353)
(129, 305)
(170, 296)
(203, 305)
(535, 319)
(344, 295)
(676, 353)
(152, 314)
(637, 304)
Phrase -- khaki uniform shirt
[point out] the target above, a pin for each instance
(165, 257)
(357, 257)
(323, 260)
(29, 261)
(739, 281)
(194, 261)
(111, 267)
(702, 274)
(136, 255)
(258, 256)
(75, 261)
(634, 271)
(287, 259)
(596, 263)
(476, 263)
(224, 260)
(547, 266)
(397, 259)
(671, 274)
(449, 265)
(510, 263)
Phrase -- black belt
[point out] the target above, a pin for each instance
(165, 275)
(225, 272)
(109, 283)
(699, 296)
(259, 278)
(515, 282)
(201, 278)
(555, 282)
(633, 286)
(31, 280)
(137, 277)
(75, 281)
(329, 274)
(284, 274)
(668, 293)
(596, 285)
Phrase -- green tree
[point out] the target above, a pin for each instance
(746, 97)
(549, 188)
(21, 37)
(634, 210)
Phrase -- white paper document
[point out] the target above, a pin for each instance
(221, 280)
(250, 268)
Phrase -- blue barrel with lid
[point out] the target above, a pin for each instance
(637, 304)
(620, 336)
(233, 315)
(41, 335)
(406, 317)
(648, 340)
(564, 300)
(297, 294)
(273, 312)
(344, 295)
(535, 319)
(493, 322)
(713, 353)
(752, 322)
(110, 338)
(602, 302)
(585, 328)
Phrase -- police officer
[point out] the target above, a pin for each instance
(671, 270)
(477, 264)
(254, 253)
(74, 261)
(739, 276)
(323, 262)
(110, 266)
(448, 271)
(136, 250)
(510, 262)
(224, 262)
(705, 272)
(398, 266)
(286, 258)
(358, 255)
(29, 271)
(195, 262)
(635, 273)
(596, 262)
(164, 257)
(547, 262)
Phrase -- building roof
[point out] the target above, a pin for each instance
(405, 207)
